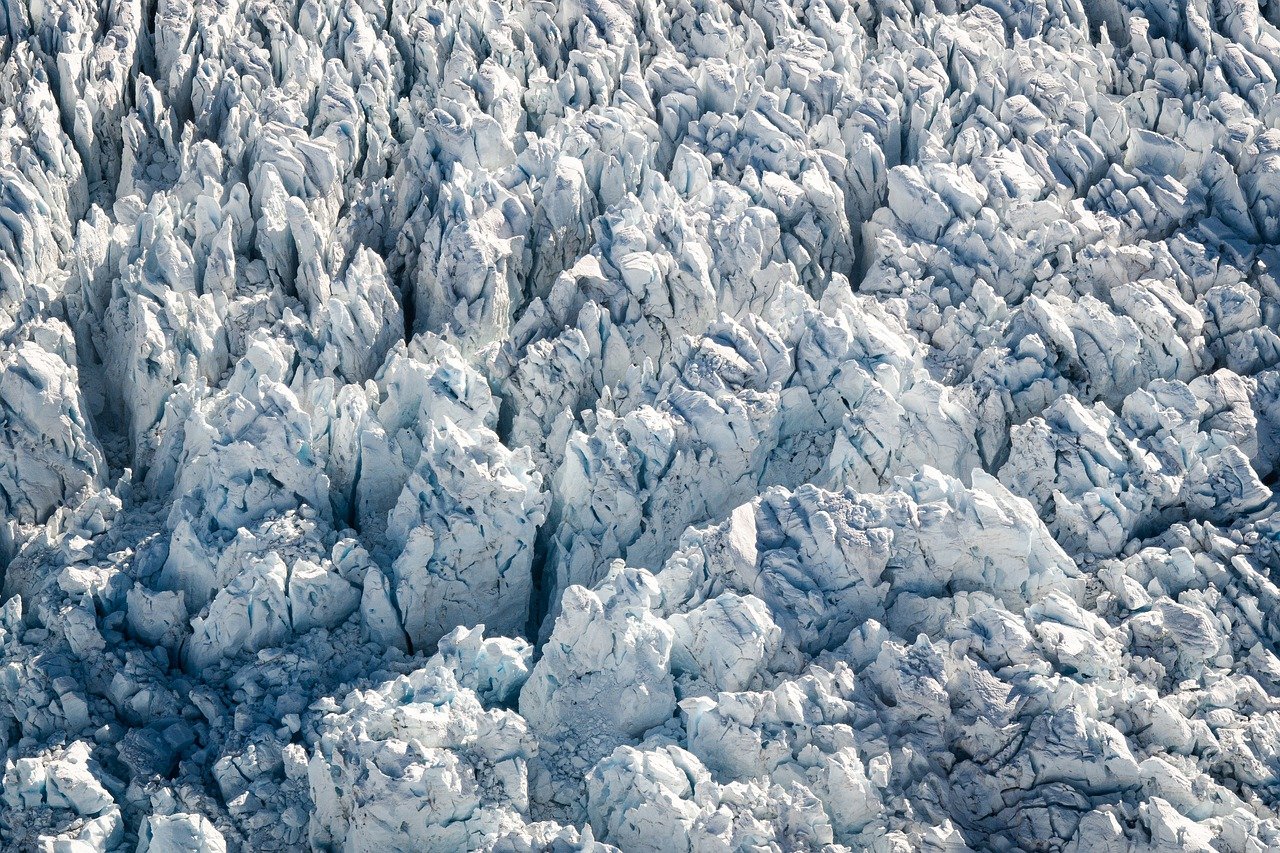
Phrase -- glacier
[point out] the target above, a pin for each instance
(536, 426)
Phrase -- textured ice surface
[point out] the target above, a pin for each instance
(641, 425)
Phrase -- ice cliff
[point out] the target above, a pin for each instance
(639, 425)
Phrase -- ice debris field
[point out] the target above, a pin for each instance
(641, 425)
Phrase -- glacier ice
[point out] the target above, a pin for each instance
(628, 425)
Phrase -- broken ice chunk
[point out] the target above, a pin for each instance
(180, 833)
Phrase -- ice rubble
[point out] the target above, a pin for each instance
(640, 424)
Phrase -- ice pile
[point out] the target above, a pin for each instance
(651, 425)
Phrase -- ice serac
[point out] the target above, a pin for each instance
(49, 455)
(464, 527)
(375, 433)
(824, 562)
(361, 316)
(624, 425)
(686, 460)
(650, 801)
(261, 600)
(580, 704)
(417, 763)
(1173, 451)
(243, 453)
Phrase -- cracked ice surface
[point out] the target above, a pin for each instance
(641, 425)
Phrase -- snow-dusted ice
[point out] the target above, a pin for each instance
(688, 426)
